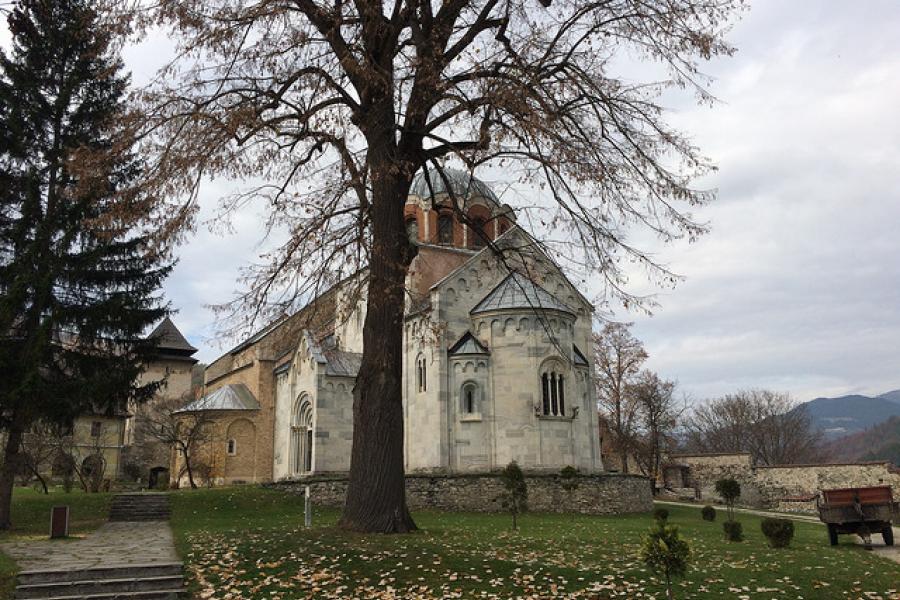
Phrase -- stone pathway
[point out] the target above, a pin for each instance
(114, 544)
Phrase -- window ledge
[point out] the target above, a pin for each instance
(471, 418)
(544, 417)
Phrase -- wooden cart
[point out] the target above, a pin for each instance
(862, 511)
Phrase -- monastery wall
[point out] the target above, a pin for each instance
(601, 494)
(786, 487)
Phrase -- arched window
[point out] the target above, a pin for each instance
(231, 447)
(553, 391)
(470, 398)
(421, 374)
(412, 229)
(477, 233)
(445, 228)
(301, 436)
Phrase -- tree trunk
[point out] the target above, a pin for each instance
(187, 467)
(376, 492)
(8, 471)
(623, 453)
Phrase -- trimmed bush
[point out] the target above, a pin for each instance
(708, 513)
(665, 552)
(730, 490)
(515, 496)
(734, 531)
(661, 514)
(779, 532)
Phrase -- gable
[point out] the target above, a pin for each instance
(485, 266)
(467, 344)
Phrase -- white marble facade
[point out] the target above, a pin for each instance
(495, 365)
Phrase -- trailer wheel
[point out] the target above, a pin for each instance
(832, 534)
(888, 534)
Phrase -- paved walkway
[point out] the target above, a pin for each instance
(118, 543)
(889, 552)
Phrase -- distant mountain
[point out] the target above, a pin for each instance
(893, 396)
(881, 442)
(846, 415)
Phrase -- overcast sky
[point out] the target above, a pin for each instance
(797, 287)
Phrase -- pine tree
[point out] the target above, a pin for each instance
(79, 283)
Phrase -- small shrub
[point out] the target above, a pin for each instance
(779, 532)
(730, 491)
(708, 513)
(661, 514)
(734, 531)
(666, 552)
(515, 496)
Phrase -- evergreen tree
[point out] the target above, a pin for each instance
(79, 283)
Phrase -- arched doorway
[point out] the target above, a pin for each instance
(301, 436)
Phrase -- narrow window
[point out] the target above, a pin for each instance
(477, 234)
(412, 229)
(562, 396)
(445, 229)
(421, 375)
(307, 463)
(470, 401)
(96, 428)
(545, 393)
(554, 399)
(232, 447)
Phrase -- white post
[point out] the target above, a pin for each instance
(307, 508)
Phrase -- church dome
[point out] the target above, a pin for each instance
(461, 183)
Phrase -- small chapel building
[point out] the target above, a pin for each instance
(497, 364)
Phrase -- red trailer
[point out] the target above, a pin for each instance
(863, 511)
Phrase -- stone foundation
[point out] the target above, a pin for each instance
(602, 494)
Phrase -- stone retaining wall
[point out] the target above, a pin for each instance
(601, 494)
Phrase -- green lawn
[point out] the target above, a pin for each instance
(250, 543)
(31, 518)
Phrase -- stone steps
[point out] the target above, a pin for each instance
(134, 582)
(139, 507)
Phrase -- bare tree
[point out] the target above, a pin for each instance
(658, 415)
(618, 357)
(335, 106)
(41, 446)
(186, 433)
(769, 425)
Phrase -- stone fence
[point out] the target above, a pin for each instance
(785, 487)
(601, 494)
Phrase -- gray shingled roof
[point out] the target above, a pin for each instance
(467, 344)
(337, 362)
(234, 396)
(461, 182)
(517, 292)
(168, 337)
(580, 360)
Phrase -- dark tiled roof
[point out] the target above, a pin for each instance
(467, 344)
(168, 337)
(517, 292)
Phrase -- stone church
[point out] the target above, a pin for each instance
(496, 360)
